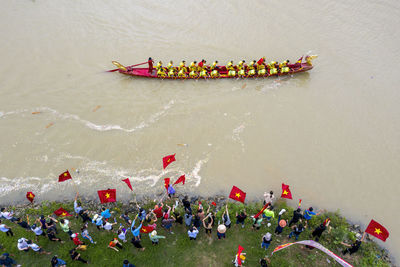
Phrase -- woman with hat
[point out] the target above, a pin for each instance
(221, 231)
(154, 237)
(266, 240)
(281, 223)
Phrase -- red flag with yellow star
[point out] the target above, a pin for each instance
(377, 230)
(146, 229)
(62, 212)
(168, 160)
(30, 196)
(286, 191)
(166, 182)
(237, 194)
(109, 195)
(64, 176)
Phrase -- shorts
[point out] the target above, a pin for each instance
(220, 235)
(237, 222)
(192, 238)
(168, 226)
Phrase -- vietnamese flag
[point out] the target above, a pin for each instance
(168, 160)
(109, 195)
(237, 194)
(146, 229)
(166, 183)
(30, 196)
(61, 212)
(240, 249)
(128, 183)
(261, 211)
(286, 192)
(180, 180)
(64, 176)
(377, 230)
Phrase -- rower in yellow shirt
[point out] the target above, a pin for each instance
(241, 68)
(231, 69)
(214, 65)
(159, 65)
(251, 68)
(215, 72)
(192, 66)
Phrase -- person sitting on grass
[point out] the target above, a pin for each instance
(192, 233)
(114, 244)
(23, 224)
(126, 218)
(23, 244)
(154, 237)
(85, 234)
(76, 256)
(122, 233)
(6, 261)
(353, 248)
(51, 234)
(36, 248)
(56, 262)
(51, 224)
(136, 243)
(108, 226)
(6, 229)
(37, 229)
(256, 222)
(64, 224)
(8, 215)
(241, 218)
(127, 264)
(105, 213)
(207, 223)
(266, 240)
(98, 220)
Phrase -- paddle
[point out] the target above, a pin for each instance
(128, 66)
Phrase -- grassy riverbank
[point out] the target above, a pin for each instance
(178, 250)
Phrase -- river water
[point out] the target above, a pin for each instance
(332, 134)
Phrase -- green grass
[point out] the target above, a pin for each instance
(178, 250)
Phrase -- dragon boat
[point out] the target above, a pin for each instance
(300, 66)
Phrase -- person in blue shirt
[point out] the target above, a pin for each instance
(127, 264)
(56, 262)
(171, 191)
(309, 213)
(136, 231)
(98, 220)
(105, 213)
(5, 260)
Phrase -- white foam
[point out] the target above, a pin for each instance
(236, 134)
(196, 170)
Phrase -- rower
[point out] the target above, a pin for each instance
(261, 67)
(283, 64)
(182, 72)
(170, 65)
(214, 65)
(182, 66)
(273, 71)
(271, 64)
(251, 68)
(159, 65)
(193, 73)
(285, 69)
(215, 73)
(231, 69)
(241, 68)
(192, 66)
(161, 73)
(203, 72)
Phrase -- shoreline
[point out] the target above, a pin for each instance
(93, 204)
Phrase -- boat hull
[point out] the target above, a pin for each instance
(144, 72)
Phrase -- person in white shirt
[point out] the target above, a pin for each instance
(37, 230)
(36, 248)
(108, 226)
(7, 215)
(22, 244)
(5, 229)
(269, 198)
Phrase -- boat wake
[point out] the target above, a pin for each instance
(97, 127)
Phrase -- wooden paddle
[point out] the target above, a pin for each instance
(128, 66)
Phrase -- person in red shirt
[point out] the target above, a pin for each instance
(158, 210)
(76, 240)
(150, 62)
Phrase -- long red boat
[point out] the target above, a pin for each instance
(299, 66)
